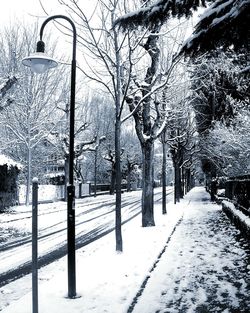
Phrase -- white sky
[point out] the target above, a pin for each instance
(29, 11)
(12, 10)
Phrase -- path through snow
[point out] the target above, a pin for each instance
(205, 267)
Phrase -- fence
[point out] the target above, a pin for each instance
(238, 190)
(48, 193)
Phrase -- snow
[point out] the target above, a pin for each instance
(233, 13)
(55, 174)
(195, 268)
(46, 193)
(179, 258)
(235, 8)
(7, 160)
(2, 84)
(215, 10)
(244, 219)
(245, 70)
(35, 180)
(132, 14)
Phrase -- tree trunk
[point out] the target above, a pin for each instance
(213, 187)
(66, 172)
(177, 182)
(187, 180)
(182, 182)
(148, 184)
(118, 176)
(113, 179)
(118, 218)
(27, 196)
(95, 173)
(164, 162)
(129, 177)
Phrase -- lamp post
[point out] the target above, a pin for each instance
(39, 63)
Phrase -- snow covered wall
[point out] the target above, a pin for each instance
(45, 193)
(241, 221)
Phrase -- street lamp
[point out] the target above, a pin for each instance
(39, 63)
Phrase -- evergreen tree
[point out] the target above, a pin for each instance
(151, 15)
(225, 23)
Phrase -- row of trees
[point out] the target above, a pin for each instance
(224, 23)
(36, 124)
(221, 102)
(143, 79)
(220, 79)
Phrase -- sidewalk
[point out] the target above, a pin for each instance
(205, 267)
(193, 260)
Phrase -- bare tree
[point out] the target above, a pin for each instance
(105, 51)
(85, 134)
(130, 67)
(147, 101)
(31, 117)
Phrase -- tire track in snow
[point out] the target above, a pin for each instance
(82, 240)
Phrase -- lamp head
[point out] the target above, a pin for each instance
(39, 62)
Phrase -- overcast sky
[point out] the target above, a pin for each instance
(29, 11)
(12, 10)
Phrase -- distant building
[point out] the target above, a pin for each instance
(54, 170)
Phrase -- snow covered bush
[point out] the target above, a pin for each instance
(9, 171)
(229, 146)
(221, 102)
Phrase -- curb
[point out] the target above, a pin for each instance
(145, 281)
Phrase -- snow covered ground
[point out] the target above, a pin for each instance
(205, 267)
(93, 215)
(200, 267)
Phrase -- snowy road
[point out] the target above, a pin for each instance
(94, 219)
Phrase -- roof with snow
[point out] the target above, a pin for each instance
(7, 160)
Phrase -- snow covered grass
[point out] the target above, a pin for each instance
(196, 266)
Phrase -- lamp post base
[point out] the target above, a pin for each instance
(71, 242)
